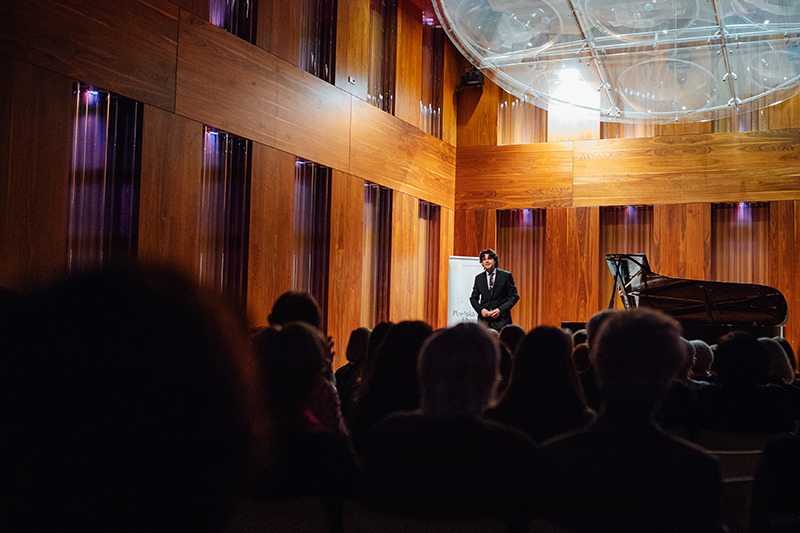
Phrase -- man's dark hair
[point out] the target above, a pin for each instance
(491, 253)
(295, 306)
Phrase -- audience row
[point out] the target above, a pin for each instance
(134, 401)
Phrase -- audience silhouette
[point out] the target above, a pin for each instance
(623, 472)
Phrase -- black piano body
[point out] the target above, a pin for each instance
(706, 309)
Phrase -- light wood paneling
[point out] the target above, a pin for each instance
(346, 261)
(446, 246)
(759, 166)
(681, 245)
(392, 153)
(474, 231)
(313, 118)
(514, 177)
(403, 300)
(127, 46)
(408, 84)
(628, 171)
(225, 82)
(169, 205)
(452, 78)
(271, 239)
(571, 264)
(35, 139)
(477, 114)
(279, 28)
(784, 115)
(352, 47)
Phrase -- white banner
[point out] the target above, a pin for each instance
(462, 276)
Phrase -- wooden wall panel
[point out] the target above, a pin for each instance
(477, 115)
(127, 46)
(352, 47)
(474, 231)
(453, 61)
(347, 244)
(784, 115)
(758, 166)
(169, 204)
(279, 29)
(392, 153)
(681, 245)
(783, 260)
(572, 267)
(225, 82)
(514, 177)
(35, 139)
(446, 240)
(625, 171)
(313, 118)
(271, 239)
(200, 7)
(408, 78)
(403, 300)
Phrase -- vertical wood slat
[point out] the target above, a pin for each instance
(403, 300)
(477, 115)
(408, 80)
(346, 261)
(271, 238)
(452, 78)
(474, 231)
(572, 252)
(279, 28)
(35, 140)
(446, 249)
(169, 203)
(682, 240)
(352, 47)
(784, 257)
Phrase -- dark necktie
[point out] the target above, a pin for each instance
(491, 282)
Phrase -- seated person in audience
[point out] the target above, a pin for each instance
(703, 360)
(307, 461)
(781, 372)
(445, 460)
(776, 489)
(347, 375)
(511, 335)
(580, 355)
(579, 337)
(787, 347)
(391, 385)
(678, 410)
(623, 473)
(742, 401)
(131, 406)
(295, 306)
(545, 397)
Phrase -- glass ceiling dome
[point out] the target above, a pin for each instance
(648, 60)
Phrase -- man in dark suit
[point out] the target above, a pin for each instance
(494, 292)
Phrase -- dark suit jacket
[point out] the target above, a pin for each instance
(503, 297)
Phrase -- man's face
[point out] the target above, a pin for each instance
(488, 262)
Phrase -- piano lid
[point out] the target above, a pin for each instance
(694, 301)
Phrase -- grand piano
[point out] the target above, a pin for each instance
(706, 309)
